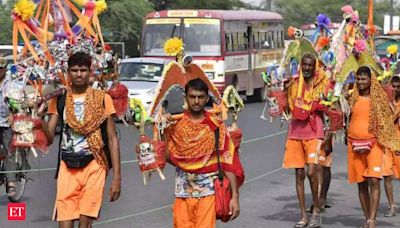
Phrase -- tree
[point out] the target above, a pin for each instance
(198, 4)
(6, 24)
(124, 18)
(299, 12)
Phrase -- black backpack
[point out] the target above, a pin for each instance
(103, 127)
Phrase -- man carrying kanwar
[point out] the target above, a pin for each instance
(87, 129)
(191, 149)
(306, 133)
(371, 130)
(391, 162)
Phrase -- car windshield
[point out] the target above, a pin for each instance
(140, 71)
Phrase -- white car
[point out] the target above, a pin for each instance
(141, 76)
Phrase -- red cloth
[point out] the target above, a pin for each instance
(152, 159)
(236, 136)
(281, 99)
(119, 95)
(40, 139)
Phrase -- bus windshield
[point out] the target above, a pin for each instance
(157, 32)
(202, 36)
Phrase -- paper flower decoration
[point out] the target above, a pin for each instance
(25, 9)
(322, 43)
(100, 7)
(323, 19)
(360, 46)
(291, 31)
(392, 49)
(173, 46)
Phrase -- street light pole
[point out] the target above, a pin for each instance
(391, 16)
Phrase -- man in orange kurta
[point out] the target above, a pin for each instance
(191, 149)
(371, 129)
(391, 162)
(305, 134)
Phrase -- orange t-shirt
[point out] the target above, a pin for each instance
(358, 128)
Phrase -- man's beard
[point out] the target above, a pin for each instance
(307, 74)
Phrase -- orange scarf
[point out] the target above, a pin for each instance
(192, 146)
(94, 116)
(308, 96)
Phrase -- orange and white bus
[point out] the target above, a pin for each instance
(232, 47)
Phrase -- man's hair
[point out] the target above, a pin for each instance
(79, 59)
(309, 55)
(364, 70)
(395, 78)
(196, 84)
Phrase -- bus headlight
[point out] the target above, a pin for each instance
(210, 75)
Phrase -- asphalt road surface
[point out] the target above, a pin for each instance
(268, 198)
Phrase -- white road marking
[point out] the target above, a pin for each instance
(170, 205)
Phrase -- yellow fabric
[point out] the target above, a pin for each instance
(320, 83)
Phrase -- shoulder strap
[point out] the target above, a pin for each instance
(104, 136)
(60, 111)
(220, 171)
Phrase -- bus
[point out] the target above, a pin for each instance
(232, 47)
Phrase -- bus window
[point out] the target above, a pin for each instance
(242, 41)
(235, 42)
(202, 37)
(264, 44)
(228, 42)
(256, 40)
(157, 32)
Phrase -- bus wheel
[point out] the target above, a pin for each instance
(260, 94)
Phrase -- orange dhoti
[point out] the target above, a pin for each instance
(194, 212)
(301, 152)
(364, 165)
(391, 164)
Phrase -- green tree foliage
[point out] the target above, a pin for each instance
(299, 12)
(208, 4)
(124, 18)
(198, 4)
(6, 24)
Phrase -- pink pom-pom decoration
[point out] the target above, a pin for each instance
(347, 9)
(360, 46)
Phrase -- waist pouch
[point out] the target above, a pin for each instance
(362, 145)
(76, 161)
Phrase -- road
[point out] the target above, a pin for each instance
(268, 198)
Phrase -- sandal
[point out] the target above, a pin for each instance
(310, 210)
(301, 224)
(11, 191)
(391, 211)
(371, 221)
(315, 221)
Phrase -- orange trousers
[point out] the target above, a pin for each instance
(194, 212)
